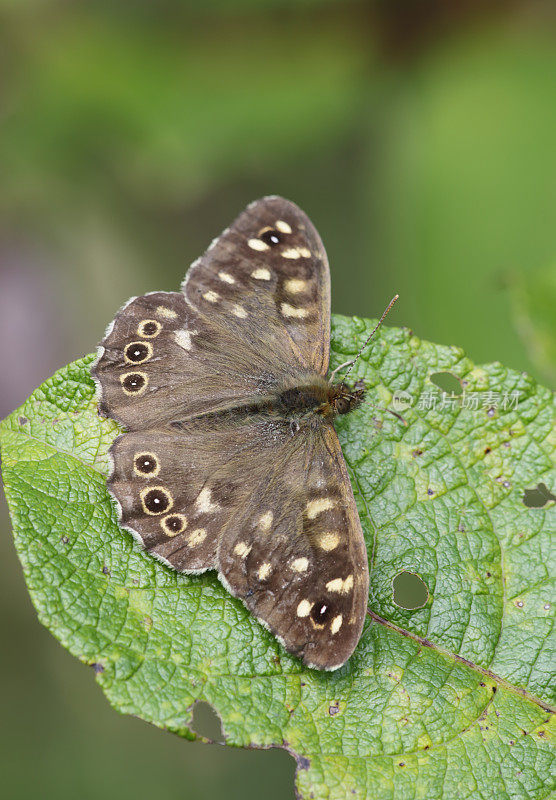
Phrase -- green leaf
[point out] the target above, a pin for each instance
(448, 700)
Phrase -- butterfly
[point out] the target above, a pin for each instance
(230, 460)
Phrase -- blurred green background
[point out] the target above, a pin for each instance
(419, 137)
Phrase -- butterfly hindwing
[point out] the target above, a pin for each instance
(177, 488)
(295, 552)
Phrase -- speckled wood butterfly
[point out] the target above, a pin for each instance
(230, 460)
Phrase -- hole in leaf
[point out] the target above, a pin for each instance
(446, 382)
(538, 497)
(206, 722)
(409, 590)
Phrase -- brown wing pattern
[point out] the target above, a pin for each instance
(266, 280)
(162, 361)
(295, 552)
(177, 488)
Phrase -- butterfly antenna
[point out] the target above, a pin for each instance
(370, 336)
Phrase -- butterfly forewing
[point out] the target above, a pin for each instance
(226, 463)
(161, 361)
(269, 268)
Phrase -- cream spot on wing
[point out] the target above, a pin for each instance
(316, 507)
(261, 274)
(291, 252)
(290, 311)
(264, 571)
(282, 226)
(340, 586)
(183, 338)
(242, 549)
(265, 522)
(226, 277)
(196, 537)
(336, 624)
(162, 311)
(300, 564)
(239, 311)
(304, 608)
(257, 244)
(212, 297)
(328, 541)
(295, 285)
(204, 503)
(304, 252)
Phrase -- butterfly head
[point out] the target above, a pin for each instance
(344, 398)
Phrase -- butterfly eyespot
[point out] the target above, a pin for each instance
(173, 524)
(149, 328)
(134, 382)
(271, 237)
(146, 464)
(137, 352)
(321, 612)
(156, 500)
